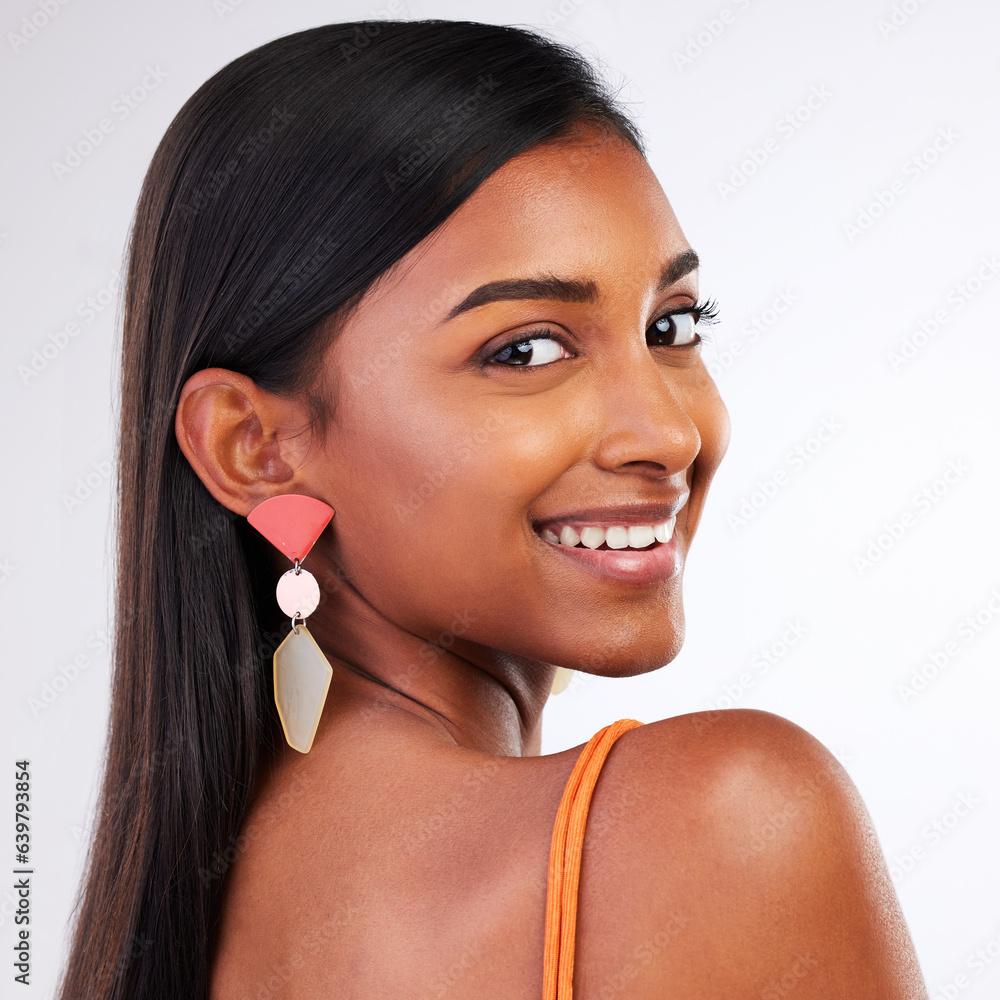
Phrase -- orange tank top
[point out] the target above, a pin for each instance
(564, 861)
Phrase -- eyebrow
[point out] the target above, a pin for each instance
(562, 289)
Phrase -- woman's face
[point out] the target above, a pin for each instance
(454, 470)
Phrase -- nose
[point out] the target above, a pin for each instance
(645, 427)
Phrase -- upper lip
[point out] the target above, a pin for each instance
(626, 514)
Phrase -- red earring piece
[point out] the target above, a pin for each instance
(291, 522)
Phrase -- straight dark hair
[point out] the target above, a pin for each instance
(285, 186)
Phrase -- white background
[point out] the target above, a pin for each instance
(881, 93)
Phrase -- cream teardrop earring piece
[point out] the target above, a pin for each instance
(561, 680)
(302, 674)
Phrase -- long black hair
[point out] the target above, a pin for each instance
(284, 187)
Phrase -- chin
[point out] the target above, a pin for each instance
(629, 659)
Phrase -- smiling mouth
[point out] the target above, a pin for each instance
(636, 537)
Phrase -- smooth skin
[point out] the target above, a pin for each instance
(727, 854)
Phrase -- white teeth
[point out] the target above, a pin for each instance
(616, 537)
(664, 532)
(639, 536)
(636, 536)
(568, 536)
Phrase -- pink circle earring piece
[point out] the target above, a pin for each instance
(292, 522)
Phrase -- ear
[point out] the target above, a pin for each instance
(241, 440)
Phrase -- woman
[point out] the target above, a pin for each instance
(421, 273)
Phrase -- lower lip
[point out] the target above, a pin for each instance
(656, 564)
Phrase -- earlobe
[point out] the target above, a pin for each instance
(227, 428)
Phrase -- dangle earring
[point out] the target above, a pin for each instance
(292, 523)
(561, 680)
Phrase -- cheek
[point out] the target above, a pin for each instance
(433, 499)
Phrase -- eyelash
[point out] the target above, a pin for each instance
(705, 312)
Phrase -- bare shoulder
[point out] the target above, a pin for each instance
(734, 788)
(750, 865)
(733, 759)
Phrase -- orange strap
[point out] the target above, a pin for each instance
(564, 861)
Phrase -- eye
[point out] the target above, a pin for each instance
(680, 329)
(531, 352)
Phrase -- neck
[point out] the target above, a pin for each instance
(464, 694)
